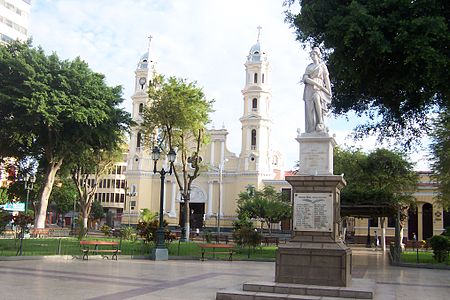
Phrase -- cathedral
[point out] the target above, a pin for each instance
(214, 194)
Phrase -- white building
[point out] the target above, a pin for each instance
(14, 19)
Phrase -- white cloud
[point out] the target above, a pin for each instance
(202, 40)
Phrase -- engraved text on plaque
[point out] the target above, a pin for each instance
(313, 212)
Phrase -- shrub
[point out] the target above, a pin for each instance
(128, 233)
(106, 230)
(147, 230)
(440, 245)
(5, 218)
(208, 236)
(245, 234)
(446, 232)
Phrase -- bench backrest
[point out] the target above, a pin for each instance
(98, 243)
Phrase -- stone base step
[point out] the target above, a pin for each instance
(243, 295)
(359, 289)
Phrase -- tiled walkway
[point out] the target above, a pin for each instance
(178, 279)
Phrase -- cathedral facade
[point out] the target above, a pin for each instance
(214, 194)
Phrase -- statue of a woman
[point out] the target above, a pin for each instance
(317, 94)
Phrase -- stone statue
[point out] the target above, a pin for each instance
(317, 94)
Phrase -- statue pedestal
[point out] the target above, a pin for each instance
(316, 254)
(316, 153)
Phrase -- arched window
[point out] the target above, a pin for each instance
(253, 139)
(262, 78)
(255, 78)
(254, 104)
(141, 108)
(138, 140)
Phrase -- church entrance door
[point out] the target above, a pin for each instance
(427, 221)
(197, 213)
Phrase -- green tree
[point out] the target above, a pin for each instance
(175, 119)
(388, 59)
(97, 212)
(52, 109)
(440, 152)
(245, 234)
(3, 195)
(88, 170)
(63, 195)
(379, 184)
(266, 205)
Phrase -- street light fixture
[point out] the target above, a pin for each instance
(29, 182)
(160, 252)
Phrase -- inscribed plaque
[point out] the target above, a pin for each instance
(313, 212)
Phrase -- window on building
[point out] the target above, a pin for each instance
(373, 222)
(122, 198)
(446, 216)
(262, 78)
(138, 140)
(254, 104)
(253, 142)
(255, 78)
(390, 222)
(141, 108)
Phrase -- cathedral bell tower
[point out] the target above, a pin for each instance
(256, 122)
(144, 74)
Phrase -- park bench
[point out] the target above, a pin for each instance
(217, 249)
(93, 247)
(39, 232)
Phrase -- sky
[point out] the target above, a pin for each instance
(206, 41)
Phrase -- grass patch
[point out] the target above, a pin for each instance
(192, 249)
(423, 258)
(71, 246)
(65, 246)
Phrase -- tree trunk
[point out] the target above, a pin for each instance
(187, 218)
(86, 206)
(85, 216)
(45, 192)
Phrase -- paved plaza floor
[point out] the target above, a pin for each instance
(65, 279)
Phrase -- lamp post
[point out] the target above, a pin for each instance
(29, 182)
(219, 210)
(160, 252)
(129, 194)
